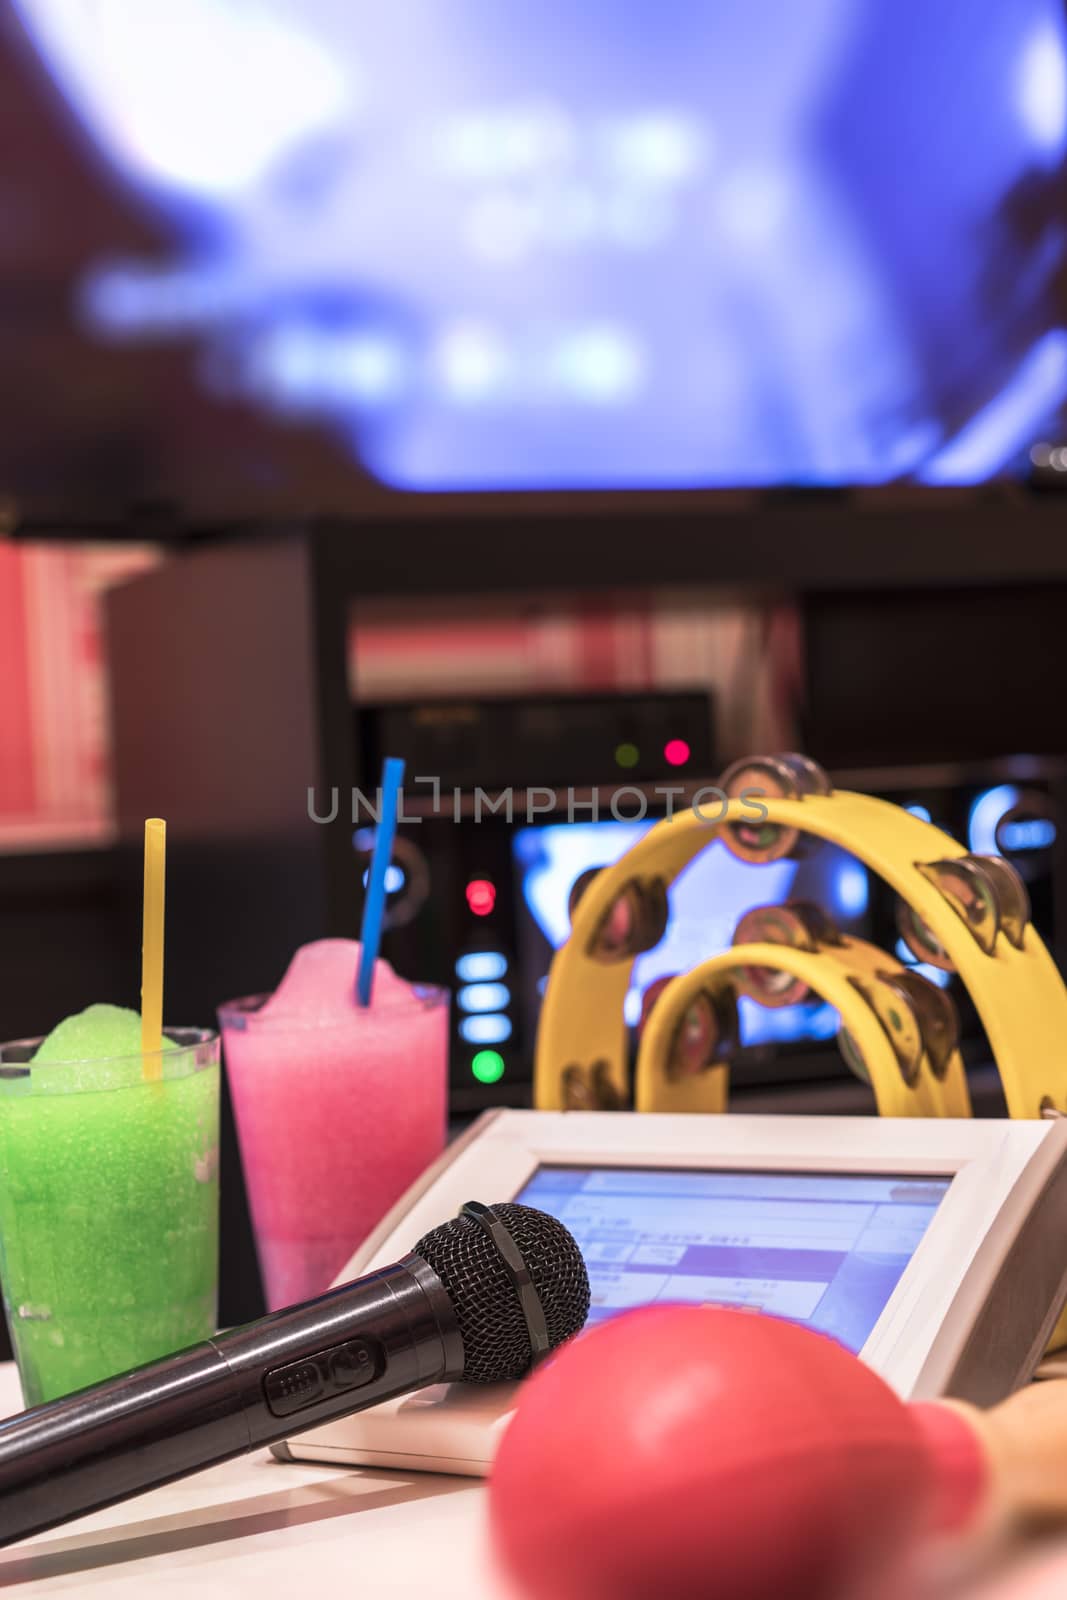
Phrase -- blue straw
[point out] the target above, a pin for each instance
(374, 904)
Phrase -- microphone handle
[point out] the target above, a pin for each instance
(367, 1341)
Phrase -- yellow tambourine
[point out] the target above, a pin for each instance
(906, 1049)
(963, 912)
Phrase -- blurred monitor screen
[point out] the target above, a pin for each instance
(707, 901)
(262, 253)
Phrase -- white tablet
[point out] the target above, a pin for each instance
(935, 1250)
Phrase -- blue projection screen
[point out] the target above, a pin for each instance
(529, 244)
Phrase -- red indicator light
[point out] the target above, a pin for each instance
(676, 752)
(481, 896)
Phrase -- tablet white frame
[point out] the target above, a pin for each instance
(1000, 1172)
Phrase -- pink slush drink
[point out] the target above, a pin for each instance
(338, 1108)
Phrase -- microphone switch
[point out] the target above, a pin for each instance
(302, 1383)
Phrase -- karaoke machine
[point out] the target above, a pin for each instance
(488, 783)
(502, 860)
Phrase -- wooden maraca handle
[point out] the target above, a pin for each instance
(1025, 1443)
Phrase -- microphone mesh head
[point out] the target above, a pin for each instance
(496, 1341)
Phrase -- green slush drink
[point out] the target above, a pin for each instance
(108, 1199)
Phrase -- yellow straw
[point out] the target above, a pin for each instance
(155, 871)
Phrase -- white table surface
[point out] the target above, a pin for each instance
(266, 1528)
(270, 1529)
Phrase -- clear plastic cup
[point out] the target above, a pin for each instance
(109, 1209)
(335, 1119)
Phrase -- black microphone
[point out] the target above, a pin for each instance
(481, 1298)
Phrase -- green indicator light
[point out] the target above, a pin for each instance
(488, 1066)
(627, 755)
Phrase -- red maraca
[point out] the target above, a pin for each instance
(681, 1452)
